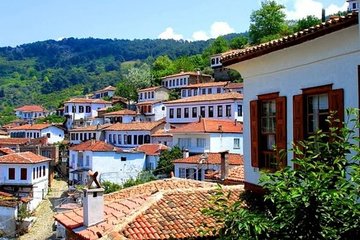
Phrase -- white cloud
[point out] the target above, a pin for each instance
(200, 35)
(220, 28)
(60, 38)
(170, 34)
(303, 8)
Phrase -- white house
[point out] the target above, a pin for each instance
(53, 133)
(157, 93)
(203, 89)
(152, 152)
(130, 135)
(162, 136)
(121, 116)
(353, 5)
(26, 175)
(234, 87)
(209, 135)
(108, 91)
(81, 134)
(112, 163)
(183, 79)
(30, 112)
(197, 166)
(152, 110)
(217, 106)
(79, 110)
(291, 85)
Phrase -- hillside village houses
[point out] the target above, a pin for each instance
(292, 84)
(183, 79)
(80, 134)
(121, 116)
(150, 103)
(30, 113)
(108, 91)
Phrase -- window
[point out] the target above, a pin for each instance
(194, 112)
(203, 91)
(129, 138)
(189, 93)
(72, 136)
(190, 173)
(202, 111)
(34, 173)
(184, 143)
(218, 90)
(87, 161)
(178, 112)
(11, 173)
(183, 93)
(163, 108)
(125, 139)
(88, 109)
(210, 111)
(43, 170)
(141, 139)
(48, 135)
(147, 139)
(141, 96)
(317, 111)
(166, 83)
(236, 143)
(81, 109)
(66, 109)
(123, 159)
(23, 173)
(195, 92)
(182, 172)
(267, 131)
(186, 112)
(114, 138)
(200, 142)
(171, 113)
(209, 90)
(73, 109)
(354, 6)
(152, 94)
(170, 83)
(110, 138)
(177, 82)
(135, 139)
(239, 110)
(219, 110)
(228, 110)
(185, 79)
(181, 81)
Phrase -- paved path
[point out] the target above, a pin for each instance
(43, 227)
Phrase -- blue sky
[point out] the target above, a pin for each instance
(24, 21)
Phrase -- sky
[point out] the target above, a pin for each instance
(26, 21)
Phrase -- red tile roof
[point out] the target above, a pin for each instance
(6, 150)
(87, 100)
(120, 113)
(3, 133)
(161, 133)
(209, 125)
(232, 85)
(106, 89)
(134, 126)
(152, 149)
(31, 108)
(235, 175)
(23, 158)
(149, 102)
(186, 73)
(39, 126)
(332, 25)
(150, 89)
(161, 209)
(95, 146)
(91, 128)
(208, 97)
(208, 84)
(212, 158)
(14, 141)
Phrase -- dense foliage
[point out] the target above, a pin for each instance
(320, 199)
(166, 165)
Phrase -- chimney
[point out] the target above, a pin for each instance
(17, 148)
(224, 156)
(323, 16)
(185, 153)
(93, 206)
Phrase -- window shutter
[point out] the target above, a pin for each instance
(336, 103)
(281, 138)
(254, 130)
(298, 120)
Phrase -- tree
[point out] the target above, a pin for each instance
(166, 165)
(110, 187)
(139, 77)
(126, 90)
(268, 22)
(238, 42)
(317, 200)
(220, 45)
(162, 66)
(306, 22)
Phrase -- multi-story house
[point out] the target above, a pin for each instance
(108, 91)
(150, 102)
(81, 134)
(130, 135)
(79, 110)
(234, 87)
(152, 152)
(209, 135)
(291, 86)
(162, 136)
(53, 133)
(183, 79)
(25, 174)
(203, 89)
(30, 113)
(353, 5)
(217, 106)
(122, 116)
(112, 163)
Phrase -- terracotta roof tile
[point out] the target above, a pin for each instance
(106, 89)
(87, 100)
(3, 133)
(208, 84)
(208, 97)
(212, 158)
(186, 73)
(39, 126)
(152, 149)
(232, 85)
(14, 141)
(149, 102)
(120, 113)
(150, 89)
(236, 174)
(95, 146)
(209, 125)
(31, 108)
(6, 150)
(91, 128)
(23, 157)
(332, 25)
(161, 133)
(135, 126)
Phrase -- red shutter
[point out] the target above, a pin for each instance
(281, 138)
(254, 130)
(336, 103)
(298, 120)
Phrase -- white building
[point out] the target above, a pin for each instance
(203, 89)
(210, 135)
(162, 136)
(183, 79)
(152, 152)
(30, 113)
(122, 116)
(131, 135)
(81, 134)
(112, 164)
(217, 106)
(25, 174)
(157, 93)
(234, 87)
(353, 5)
(151, 110)
(108, 91)
(296, 81)
(79, 110)
(53, 133)
(197, 166)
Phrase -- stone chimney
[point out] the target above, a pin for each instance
(93, 206)
(224, 156)
(185, 153)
